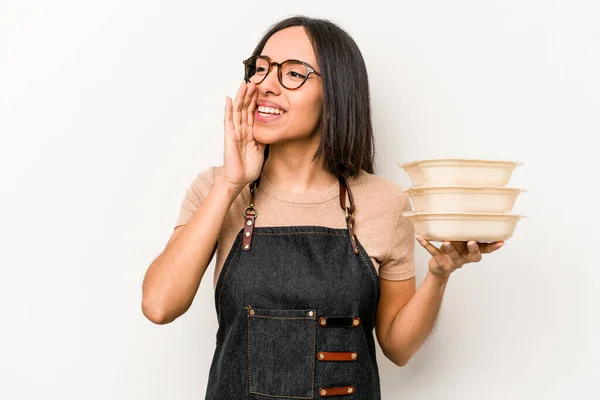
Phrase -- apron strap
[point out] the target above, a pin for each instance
(349, 211)
(250, 214)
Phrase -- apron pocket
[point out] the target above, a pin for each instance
(281, 352)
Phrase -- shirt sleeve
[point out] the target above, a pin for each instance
(195, 194)
(400, 262)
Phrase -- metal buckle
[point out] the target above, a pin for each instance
(251, 208)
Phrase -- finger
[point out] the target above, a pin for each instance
(474, 253)
(238, 104)
(453, 254)
(247, 100)
(428, 246)
(486, 248)
(227, 120)
(252, 108)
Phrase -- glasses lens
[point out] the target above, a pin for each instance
(293, 74)
(256, 69)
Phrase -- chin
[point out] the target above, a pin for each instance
(279, 134)
(266, 136)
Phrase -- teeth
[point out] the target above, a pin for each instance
(269, 110)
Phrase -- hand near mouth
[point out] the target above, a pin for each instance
(243, 155)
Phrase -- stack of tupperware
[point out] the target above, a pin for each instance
(462, 199)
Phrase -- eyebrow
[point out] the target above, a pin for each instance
(291, 59)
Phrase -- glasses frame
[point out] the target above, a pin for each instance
(310, 70)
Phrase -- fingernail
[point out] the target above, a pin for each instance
(447, 245)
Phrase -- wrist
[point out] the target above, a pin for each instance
(221, 185)
(440, 279)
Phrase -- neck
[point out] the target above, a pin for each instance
(290, 167)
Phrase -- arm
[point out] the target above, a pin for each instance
(405, 318)
(173, 278)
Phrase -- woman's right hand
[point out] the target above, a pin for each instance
(244, 156)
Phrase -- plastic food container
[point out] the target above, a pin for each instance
(481, 227)
(463, 199)
(459, 172)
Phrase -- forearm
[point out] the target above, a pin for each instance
(415, 321)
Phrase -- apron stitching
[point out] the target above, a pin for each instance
(298, 233)
(281, 397)
(225, 277)
(374, 284)
(313, 358)
(267, 316)
(249, 353)
(367, 265)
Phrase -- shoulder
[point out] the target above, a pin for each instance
(205, 178)
(376, 192)
(203, 181)
(198, 190)
(387, 236)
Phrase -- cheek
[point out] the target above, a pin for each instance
(311, 111)
(302, 120)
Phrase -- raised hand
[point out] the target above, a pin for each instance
(243, 155)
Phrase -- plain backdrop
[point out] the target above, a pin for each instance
(109, 109)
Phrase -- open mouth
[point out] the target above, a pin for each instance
(267, 112)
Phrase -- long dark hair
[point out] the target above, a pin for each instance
(347, 142)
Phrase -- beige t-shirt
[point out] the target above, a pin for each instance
(386, 235)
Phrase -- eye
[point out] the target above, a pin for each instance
(296, 75)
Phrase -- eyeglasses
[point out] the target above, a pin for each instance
(291, 73)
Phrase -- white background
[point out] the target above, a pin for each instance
(109, 109)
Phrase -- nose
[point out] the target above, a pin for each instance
(271, 83)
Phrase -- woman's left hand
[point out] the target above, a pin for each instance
(451, 256)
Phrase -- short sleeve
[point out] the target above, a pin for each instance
(400, 262)
(195, 194)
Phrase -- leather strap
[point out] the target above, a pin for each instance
(248, 229)
(339, 322)
(250, 215)
(349, 211)
(343, 189)
(337, 391)
(337, 356)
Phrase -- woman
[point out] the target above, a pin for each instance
(313, 253)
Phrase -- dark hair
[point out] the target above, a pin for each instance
(347, 143)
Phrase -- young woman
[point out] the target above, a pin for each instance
(313, 254)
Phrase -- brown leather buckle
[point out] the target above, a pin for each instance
(337, 391)
(337, 356)
(250, 220)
